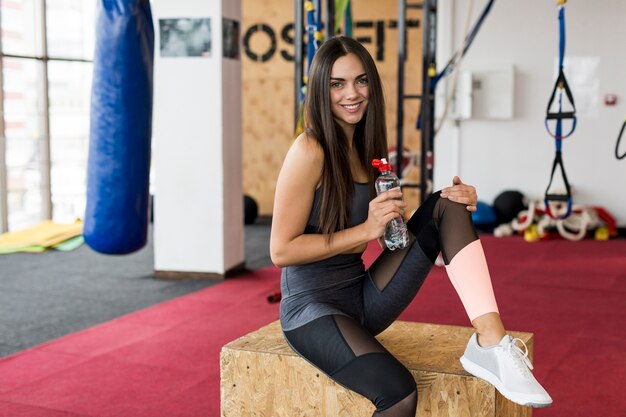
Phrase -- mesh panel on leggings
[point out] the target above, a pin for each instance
(438, 225)
(321, 343)
(368, 369)
(386, 265)
(374, 373)
(356, 337)
(456, 229)
(380, 378)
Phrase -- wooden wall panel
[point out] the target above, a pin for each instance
(268, 83)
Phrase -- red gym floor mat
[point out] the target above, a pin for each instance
(164, 361)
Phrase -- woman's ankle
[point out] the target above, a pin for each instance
(489, 329)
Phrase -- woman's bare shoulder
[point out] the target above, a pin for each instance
(309, 143)
(307, 150)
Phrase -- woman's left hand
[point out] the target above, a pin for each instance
(461, 193)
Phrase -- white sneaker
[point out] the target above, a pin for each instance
(507, 368)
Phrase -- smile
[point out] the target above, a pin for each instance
(351, 107)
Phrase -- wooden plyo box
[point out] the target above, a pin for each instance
(262, 376)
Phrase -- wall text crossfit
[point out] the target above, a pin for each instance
(368, 32)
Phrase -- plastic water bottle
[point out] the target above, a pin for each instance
(396, 233)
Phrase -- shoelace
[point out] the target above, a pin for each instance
(519, 354)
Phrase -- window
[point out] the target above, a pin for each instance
(45, 65)
(21, 27)
(23, 132)
(70, 28)
(69, 87)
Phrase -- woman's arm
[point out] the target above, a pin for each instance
(295, 189)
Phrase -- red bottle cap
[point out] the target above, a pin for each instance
(381, 164)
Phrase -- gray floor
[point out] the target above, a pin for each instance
(48, 295)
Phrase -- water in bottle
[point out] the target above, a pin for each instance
(396, 233)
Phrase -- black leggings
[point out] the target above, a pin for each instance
(344, 347)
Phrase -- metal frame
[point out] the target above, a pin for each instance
(400, 80)
(329, 12)
(298, 57)
(427, 106)
(46, 59)
(45, 163)
(4, 207)
(429, 60)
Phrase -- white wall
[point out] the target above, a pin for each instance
(518, 153)
(198, 219)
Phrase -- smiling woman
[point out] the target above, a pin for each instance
(325, 213)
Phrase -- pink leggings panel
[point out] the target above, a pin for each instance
(470, 276)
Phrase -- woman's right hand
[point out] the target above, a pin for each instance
(382, 210)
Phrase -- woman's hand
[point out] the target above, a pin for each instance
(382, 210)
(461, 193)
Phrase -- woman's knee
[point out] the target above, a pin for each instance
(380, 377)
(450, 209)
(399, 400)
(447, 203)
(403, 408)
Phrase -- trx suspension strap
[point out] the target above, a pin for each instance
(466, 44)
(343, 16)
(436, 77)
(559, 116)
(619, 139)
(347, 20)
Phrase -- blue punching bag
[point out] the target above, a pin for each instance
(116, 217)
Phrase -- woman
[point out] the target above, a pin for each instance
(325, 213)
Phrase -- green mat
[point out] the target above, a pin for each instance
(43, 236)
(66, 246)
(70, 244)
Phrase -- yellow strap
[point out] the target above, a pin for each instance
(308, 6)
(561, 2)
(432, 71)
(319, 36)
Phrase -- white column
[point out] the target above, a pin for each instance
(198, 211)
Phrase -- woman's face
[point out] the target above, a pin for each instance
(348, 90)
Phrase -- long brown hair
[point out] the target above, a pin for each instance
(370, 135)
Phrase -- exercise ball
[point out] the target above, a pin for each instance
(250, 209)
(484, 217)
(508, 204)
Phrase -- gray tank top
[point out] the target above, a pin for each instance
(329, 286)
(358, 211)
